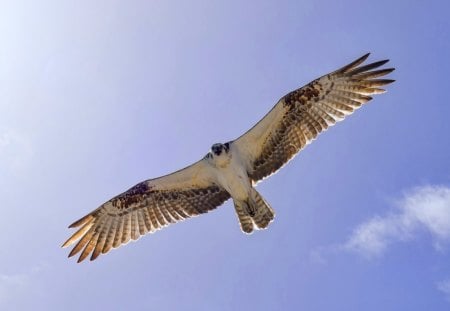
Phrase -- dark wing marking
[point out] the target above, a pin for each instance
(145, 208)
(301, 115)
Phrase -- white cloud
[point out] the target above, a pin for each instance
(15, 286)
(422, 208)
(15, 151)
(444, 287)
(317, 255)
(12, 285)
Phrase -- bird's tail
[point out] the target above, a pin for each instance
(254, 213)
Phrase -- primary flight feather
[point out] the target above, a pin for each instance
(233, 168)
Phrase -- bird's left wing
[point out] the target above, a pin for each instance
(145, 208)
(301, 115)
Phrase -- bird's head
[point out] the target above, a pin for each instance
(218, 149)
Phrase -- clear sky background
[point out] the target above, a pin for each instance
(96, 96)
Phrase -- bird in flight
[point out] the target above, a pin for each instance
(232, 169)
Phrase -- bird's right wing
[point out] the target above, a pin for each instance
(147, 207)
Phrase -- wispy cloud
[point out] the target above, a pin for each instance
(444, 287)
(421, 208)
(12, 285)
(15, 151)
(15, 286)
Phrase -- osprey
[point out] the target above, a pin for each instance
(232, 169)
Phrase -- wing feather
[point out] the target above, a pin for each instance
(159, 217)
(148, 222)
(81, 232)
(141, 223)
(89, 247)
(134, 226)
(154, 221)
(118, 233)
(82, 242)
(300, 116)
(110, 236)
(126, 232)
(102, 238)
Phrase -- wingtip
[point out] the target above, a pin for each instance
(83, 256)
(384, 61)
(386, 82)
(95, 254)
(81, 221)
(354, 63)
(376, 64)
(363, 58)
(72, 253)
(65, 244)
(74, 225)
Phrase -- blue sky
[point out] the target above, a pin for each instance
(96, 96)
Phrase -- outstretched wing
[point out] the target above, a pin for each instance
(301, 115)
(145, 208)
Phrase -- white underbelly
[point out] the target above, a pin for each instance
(235, 180)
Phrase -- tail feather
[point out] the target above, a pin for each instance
(244, 219)
(254, 213)
(264, 212)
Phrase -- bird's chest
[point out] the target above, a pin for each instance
(234, 179)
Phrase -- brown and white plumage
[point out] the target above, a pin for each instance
(231, 169)
(298, 117)
(145, 208)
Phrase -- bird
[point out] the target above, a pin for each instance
(232, 169)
